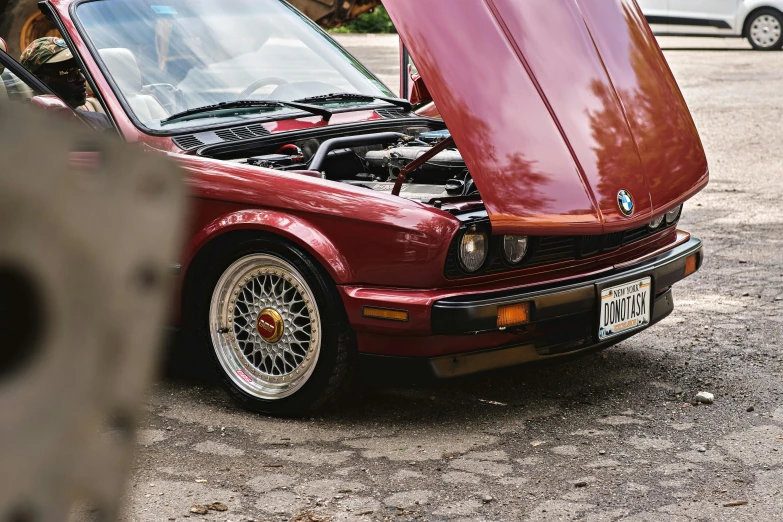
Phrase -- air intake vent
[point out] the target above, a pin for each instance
(243, 133)
(393, 114)
(187, 142)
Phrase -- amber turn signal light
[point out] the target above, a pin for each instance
(691, 264)
(513, 315)
(385, 313)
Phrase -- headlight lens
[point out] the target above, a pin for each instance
(473, 249)
(514, 248)
(655, 223)
(673, 215)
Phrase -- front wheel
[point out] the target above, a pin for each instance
(275, 327)
(765, 30)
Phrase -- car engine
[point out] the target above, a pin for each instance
(374, 161)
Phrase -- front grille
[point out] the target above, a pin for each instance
(553, 249)
(547, 250)
(612, 241)
(636, 234)
(590, 245)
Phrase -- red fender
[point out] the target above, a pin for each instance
(293, 228)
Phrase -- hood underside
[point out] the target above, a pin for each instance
(556, 106)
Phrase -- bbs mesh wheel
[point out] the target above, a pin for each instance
(274, 325)
(265, 326)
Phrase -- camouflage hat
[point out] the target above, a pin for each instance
(43, 51)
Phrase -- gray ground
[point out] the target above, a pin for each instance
(609, 437)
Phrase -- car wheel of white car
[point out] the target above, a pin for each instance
(765, 30)
(274, 326)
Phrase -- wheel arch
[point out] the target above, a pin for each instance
(753, 12)
(239, 226)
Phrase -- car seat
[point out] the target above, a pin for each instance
(92, 104)
(15, 89)
(11, 87)
(124, 68)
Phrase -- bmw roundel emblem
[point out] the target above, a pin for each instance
(625, 202)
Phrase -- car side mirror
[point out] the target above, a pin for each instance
(419, 92)
(412, 84)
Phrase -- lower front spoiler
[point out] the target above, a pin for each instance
(459, 365)
(564, 319)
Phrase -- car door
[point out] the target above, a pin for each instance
(708, 17)
(656, 12)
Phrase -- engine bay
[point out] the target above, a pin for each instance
(375, 160)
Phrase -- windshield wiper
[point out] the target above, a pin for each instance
(249, 104)
(349, 96)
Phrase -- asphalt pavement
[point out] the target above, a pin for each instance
(613, 436)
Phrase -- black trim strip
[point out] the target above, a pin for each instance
(677, 20)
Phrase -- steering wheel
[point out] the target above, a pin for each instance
(253, 87)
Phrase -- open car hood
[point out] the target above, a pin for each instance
(556, 106)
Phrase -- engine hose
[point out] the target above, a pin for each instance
(381, 138)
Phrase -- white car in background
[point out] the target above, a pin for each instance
(760, 21)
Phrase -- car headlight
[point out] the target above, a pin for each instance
(514, 248)
(473, 249)
(655, 223)
(673, 215)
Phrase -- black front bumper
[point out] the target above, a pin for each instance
(564, 318)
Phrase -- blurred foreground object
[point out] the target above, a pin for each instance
(88, 228)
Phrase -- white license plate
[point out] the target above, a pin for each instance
(625, 307)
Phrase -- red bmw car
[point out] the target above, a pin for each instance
(535, 217)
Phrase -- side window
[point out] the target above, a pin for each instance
(13, 88)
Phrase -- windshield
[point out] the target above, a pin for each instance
(171, 56)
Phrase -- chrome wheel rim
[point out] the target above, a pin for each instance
(265, 326)
(765, 31)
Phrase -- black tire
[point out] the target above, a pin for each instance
(761, 23)
(337, 356)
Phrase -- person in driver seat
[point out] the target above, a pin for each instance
(53, 63)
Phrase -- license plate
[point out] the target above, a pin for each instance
(624, 308)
